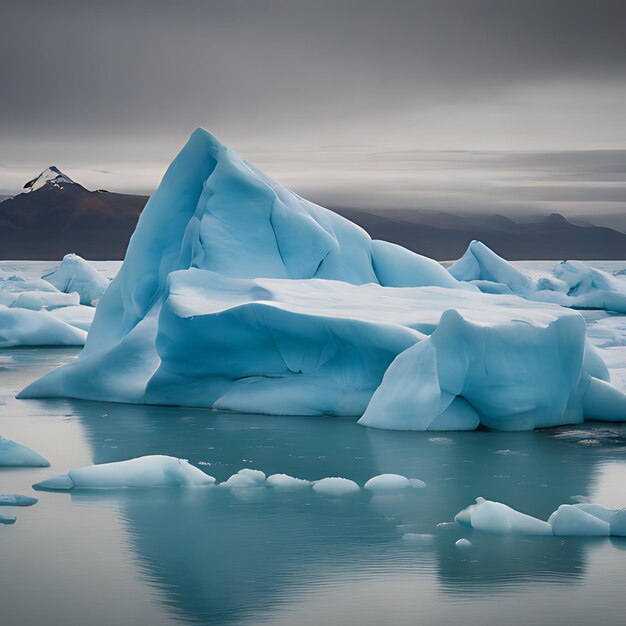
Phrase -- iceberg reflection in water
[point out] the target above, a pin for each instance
(222, 556)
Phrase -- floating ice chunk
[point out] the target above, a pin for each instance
(37, 300)
(384, 483)
(14, 454)
(570, 520)
(7, 519)
(337, 487)
(245, 478)
(498, 519)
(284, 481)
(143, 472)
(75, 275)
(14, 499)
(15, 284)
(584, 519)
(463, 543)
(22, 327)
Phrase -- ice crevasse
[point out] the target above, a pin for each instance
(237, 294)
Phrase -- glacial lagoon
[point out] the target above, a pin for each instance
(264, 556)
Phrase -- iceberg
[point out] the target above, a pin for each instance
(571, 283)
(14, 454)
(75, 275)
(237, 294)
(140, 473)
(7, 519)
(14, 499)
(463, 543)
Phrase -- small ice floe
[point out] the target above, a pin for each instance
(418, 537)
(7, 519)
(569, 520)
(334, 486)
(245, 479)
(392, 483)
(14, 454)
(284, 481)
(14, 499)
(143, 472)
(498, 519)
(507, 452)
(463, 543)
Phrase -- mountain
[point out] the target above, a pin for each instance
(55, 215)
(444, 236)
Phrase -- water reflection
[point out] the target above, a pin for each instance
(220, 558)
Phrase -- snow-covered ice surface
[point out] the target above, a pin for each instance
(288, 554)
(237, 294)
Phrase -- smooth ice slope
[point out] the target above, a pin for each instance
(14, 454)
(140, 473)
(237, 294)
(75, 275)
(571, 283)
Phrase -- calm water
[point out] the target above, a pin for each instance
(214, 557)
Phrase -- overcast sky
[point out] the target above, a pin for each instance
(426, 104)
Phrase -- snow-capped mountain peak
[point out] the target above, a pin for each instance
(52, 176)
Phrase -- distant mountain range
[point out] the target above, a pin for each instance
(55, 215)
(444, 236)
